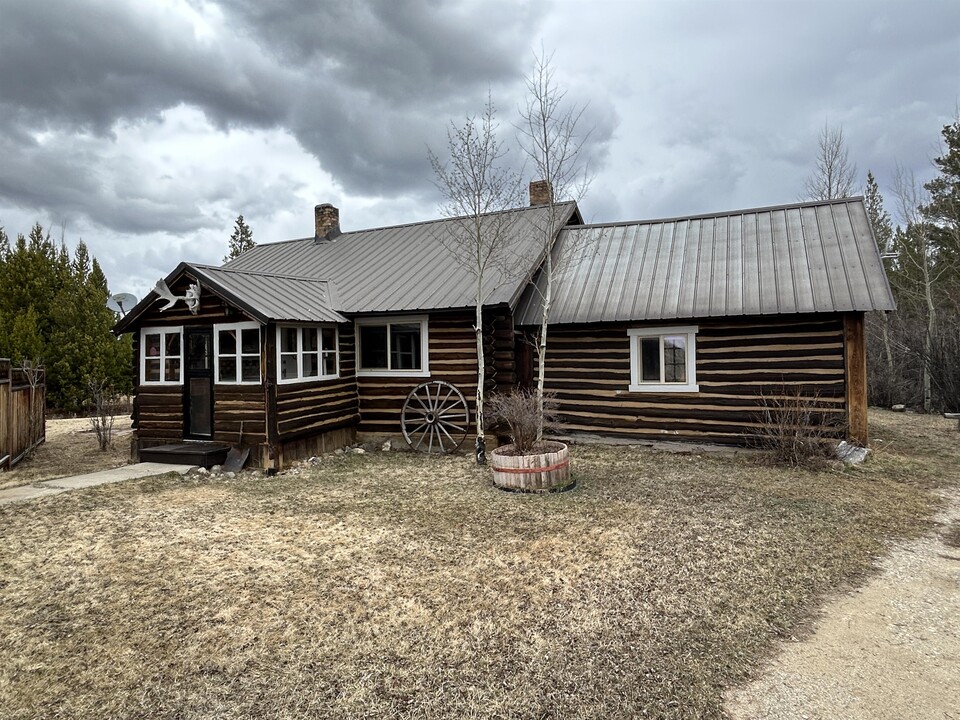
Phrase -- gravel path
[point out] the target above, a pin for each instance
(890, 649)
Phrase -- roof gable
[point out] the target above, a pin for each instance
(263, 296)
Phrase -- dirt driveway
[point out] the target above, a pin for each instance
(890, 649)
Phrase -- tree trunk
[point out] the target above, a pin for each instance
(888, 352)
(480, 448)
(931, 328)
(542, 340)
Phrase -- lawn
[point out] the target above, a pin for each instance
(397, 585)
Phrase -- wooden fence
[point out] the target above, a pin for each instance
(22, 413)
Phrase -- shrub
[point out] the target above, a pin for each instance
(796, 430)
(518, 411)
(103, 403)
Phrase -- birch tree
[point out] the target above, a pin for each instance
(552, 138)
(835, 175)
(477, 185)
(917, 263)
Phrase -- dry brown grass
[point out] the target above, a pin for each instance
(400, 586)
(71, 448)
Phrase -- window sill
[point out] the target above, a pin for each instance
(394, 373)
(161, 383)
(303, 381)
(663, 388)
(233, 383)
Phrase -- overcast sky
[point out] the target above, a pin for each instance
(146, 127)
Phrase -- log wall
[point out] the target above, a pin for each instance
(158, 409)
(741, 365)
(453, 357)
(305, 409)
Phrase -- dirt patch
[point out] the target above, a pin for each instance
(889, 649)
(70, 449)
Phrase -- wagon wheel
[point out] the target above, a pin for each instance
(435, 417)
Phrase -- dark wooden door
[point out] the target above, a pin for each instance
(198, 383)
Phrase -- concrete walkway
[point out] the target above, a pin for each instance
(78, 482)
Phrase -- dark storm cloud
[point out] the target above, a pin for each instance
(83, 66)
(404, 51)
(362, 86)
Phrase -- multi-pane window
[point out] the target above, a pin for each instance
(393, 346)
(237, 347)
(306, 353)
(663, 359)
(161, 355)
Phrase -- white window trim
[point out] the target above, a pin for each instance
(163, 354)
(238, 355)
(396, 320)
(314, 378)
(690, 331)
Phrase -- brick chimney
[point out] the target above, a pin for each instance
(326, 222)
(541, 192)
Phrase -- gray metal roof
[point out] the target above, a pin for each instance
(404, 267)
(807, 257)
(275, 297)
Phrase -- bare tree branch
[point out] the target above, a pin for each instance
(835, 176)
(551, 137)
(478, 187)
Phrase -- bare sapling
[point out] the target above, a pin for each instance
(477, 187)
(103, 403)
(551, 136)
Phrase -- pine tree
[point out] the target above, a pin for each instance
(53, 309)
(943, 211)
(241, 240)
(883, 380)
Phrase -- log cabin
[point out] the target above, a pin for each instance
(683, 329)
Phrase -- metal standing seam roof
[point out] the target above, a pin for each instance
(276, 297)
(800, 258)
(403, 267)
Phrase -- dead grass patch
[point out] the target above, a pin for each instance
(71, 448)
(400, 586)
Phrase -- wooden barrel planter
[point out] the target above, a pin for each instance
(546, 471)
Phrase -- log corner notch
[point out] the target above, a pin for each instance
(855, 364)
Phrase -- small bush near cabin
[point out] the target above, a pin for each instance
(796, 429)
(518, 411)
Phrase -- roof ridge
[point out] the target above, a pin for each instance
(419, 222)
(259, 273)
(728, 213)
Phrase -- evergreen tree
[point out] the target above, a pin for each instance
(53, 309)
(241, 240)
(942, 212)
(878, 215)
(883, 380)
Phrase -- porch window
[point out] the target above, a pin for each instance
(393, 346)
(161, 356)
(306, 353)
(663, 359)
(237, 349)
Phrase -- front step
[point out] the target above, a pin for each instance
(204, 454)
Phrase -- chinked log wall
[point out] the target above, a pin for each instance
(740, 366)
(158, 409)
(318, 417)
(453, 357)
